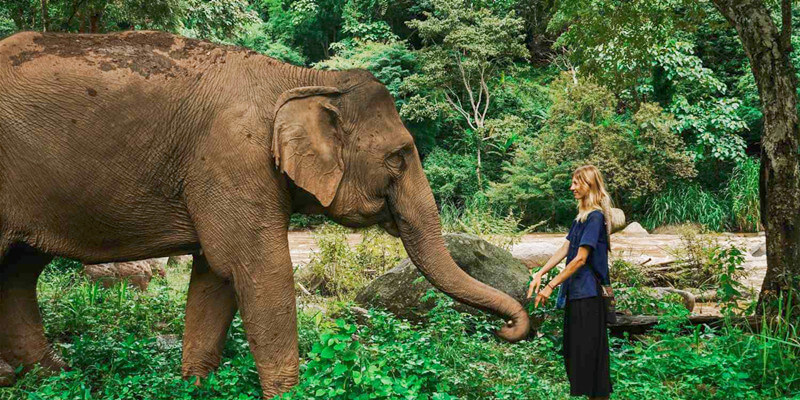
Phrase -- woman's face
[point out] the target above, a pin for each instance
(579, 189)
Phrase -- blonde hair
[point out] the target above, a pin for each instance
(596, 199)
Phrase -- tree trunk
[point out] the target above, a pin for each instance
(44, 15)
(768, 50)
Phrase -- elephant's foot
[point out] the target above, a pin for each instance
(273, 385)
(195, 369)
(43, 356)
(195, 380)
(6, 374)
(52, 361)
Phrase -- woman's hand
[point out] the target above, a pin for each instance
(543, 295)
(535, 283)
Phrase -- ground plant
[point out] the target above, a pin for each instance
(133, 352)
(340, 269)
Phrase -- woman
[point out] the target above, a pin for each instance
(585, 346)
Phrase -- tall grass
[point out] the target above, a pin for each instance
(743, 196)
(686, 203)
(735, 207)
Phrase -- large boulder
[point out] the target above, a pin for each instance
(617, 219)
(634, 229)
(534, 254)
(760, 250)
(400, 289)
(137, 273)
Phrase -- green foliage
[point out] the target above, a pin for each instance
(95, 15)
(637, 156)
(390, 62)
(115, 312)
(626, 274)
(132, 352)
(339, 269)
(452, 176)
(256, 37)
(7, 26)
(702, 262)
(477, 218)
(614, 40)
(730, 261)
(217, 20)
(65, 265)
(643, 301)
(308, 25)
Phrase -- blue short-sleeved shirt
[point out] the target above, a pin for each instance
(582, 283)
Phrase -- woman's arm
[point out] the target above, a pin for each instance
(552, 262)
(555, 258)
(574, 265)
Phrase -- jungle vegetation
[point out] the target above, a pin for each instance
(504, 99)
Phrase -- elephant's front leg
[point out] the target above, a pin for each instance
(265, 293)
(210, 307)
(257, 262)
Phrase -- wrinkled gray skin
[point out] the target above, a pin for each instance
(144, 144)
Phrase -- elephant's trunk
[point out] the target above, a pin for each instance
(417, 218)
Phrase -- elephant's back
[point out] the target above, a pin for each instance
(149, 55)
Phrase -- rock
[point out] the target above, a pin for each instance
(617, 219)
(634, 229)
(400, 289)
(759, 251)
(138, 273)
(534, 255)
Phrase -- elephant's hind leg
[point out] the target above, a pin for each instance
(22, 340)
(210, 307)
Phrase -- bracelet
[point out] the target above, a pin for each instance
(548, 285)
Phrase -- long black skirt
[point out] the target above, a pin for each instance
(586, 348)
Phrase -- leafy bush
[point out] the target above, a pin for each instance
(452, 177)
(701, 261)
(341, 270)
(76, 306)
(390, 62)
(625, 273)
(7, 27)
(638, 157)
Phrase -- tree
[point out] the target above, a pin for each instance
(769, 50)
(466, 48)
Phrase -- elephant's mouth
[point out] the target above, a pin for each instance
(390, 226)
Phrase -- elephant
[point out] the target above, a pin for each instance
(140, 144)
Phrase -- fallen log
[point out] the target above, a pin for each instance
(638, 324)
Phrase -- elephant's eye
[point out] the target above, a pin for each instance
(396, 161)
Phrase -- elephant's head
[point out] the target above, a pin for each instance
(345, 145)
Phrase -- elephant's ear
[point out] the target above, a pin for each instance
(307, 140)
